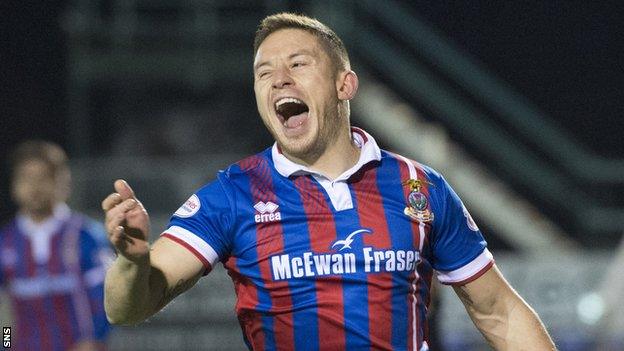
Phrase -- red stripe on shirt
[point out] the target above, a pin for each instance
(425, 190)
(246, 292)
(322, 229)
(474, 277)
(255, 332)
(360, 132)
(426, 278)
(40, 311)
(19, 307)
(59, 302)
(246, 300)
(269, 242)
(413, 323)
(371, 212)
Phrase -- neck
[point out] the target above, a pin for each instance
(39, 216)
(335, 158)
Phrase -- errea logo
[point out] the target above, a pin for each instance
(267, 212)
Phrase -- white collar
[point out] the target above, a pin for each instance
(369, 151)
(29, 227)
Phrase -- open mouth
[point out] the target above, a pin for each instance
(291, 111)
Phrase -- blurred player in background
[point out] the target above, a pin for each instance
(331, 242)
(52, 259)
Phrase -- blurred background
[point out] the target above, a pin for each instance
(518, 104)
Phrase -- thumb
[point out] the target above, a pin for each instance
(122, 187)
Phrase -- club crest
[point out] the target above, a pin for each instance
(417, 204)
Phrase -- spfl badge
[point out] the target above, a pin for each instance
(417, 203)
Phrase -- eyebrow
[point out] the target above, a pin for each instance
(302, 52)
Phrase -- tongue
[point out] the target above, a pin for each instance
(296, 120)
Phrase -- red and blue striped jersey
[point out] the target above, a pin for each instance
(332, 265)
(54, 274)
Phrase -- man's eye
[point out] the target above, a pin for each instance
(263, 74)
(298, 64)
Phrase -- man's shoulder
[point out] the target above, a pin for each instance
(236, 173)
(7, 226)
(422, 169)
(248, 165)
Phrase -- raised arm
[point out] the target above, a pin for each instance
(143, 279)
(501, 315)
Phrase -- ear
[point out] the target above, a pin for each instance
(347, 85)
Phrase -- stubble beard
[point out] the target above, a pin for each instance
(312, 148)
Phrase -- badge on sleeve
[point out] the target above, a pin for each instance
(417, 203)
(189, 208)
(469, 221)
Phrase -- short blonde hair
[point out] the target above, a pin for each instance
(332, 44)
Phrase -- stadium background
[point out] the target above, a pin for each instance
(520, 103)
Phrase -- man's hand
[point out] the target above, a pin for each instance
(127, 222)
(142, 280)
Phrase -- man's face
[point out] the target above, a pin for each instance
(35, 188)
(296, 91)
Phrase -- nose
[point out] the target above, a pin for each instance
(282, 78)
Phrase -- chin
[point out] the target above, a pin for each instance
(299, 147)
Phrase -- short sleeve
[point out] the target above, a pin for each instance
(460, 252)
(202, 224)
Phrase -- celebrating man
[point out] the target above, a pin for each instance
(330, 241)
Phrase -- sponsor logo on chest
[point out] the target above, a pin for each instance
(267, 212)
(364, 259)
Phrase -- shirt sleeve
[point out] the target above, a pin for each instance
(202, 224)
(460, 253)
(95, 256)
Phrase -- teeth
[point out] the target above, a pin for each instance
(282, 101)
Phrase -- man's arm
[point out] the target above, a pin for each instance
(134, 291)
(501, 315)
(142, 280)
